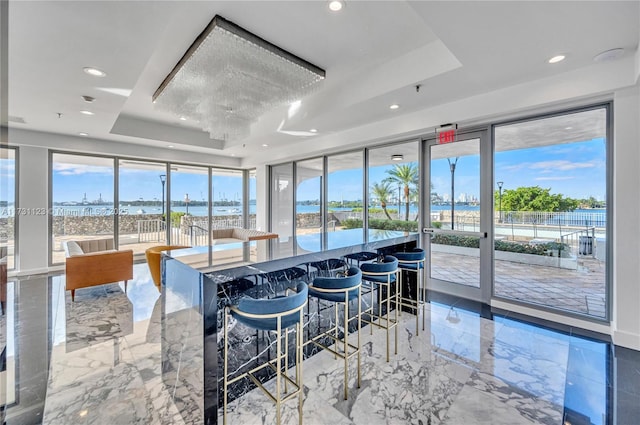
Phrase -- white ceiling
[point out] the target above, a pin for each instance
(374, 54)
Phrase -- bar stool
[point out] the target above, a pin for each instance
(340, 290)
(383, 273)
(275, 315)
(413, 261)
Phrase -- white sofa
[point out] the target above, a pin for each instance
(235, 235)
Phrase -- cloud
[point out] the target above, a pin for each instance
(515, 167)
(561, 165)
(78, 169)
(556, 178)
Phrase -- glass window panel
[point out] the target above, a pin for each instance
(308, 204)
(189, 205)
(282, 208)
(8, 217)
(252, 200)
(82, 200)
(142, 198)
(550, 206)
(455, 205)
(394, 187)
(227, 198)
(344, 200)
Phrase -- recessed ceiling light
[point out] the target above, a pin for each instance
(394, 106)
(94, 71)
(557, 59)
(313, 130)
(336, 5)
(88, 99)
(82, 133)
(264, 145)
(233, 154)
(183, 118)
(568, 128)
(397, 157)
(87, 112)
(170, 146)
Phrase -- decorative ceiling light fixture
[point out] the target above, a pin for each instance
(229, 77)
(397, 157)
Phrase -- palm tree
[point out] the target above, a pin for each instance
(382, 191)
(404, 175)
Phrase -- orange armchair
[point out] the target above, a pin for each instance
(154, 255)
(95, 262)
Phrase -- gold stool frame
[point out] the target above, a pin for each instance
(278, 398)
(389, 322)
(333, 332)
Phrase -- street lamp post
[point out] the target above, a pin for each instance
(163, 180)
(500, 201)
(399, 200)
(452, 168)
(186, 201)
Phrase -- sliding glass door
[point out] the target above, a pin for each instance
(551, 221)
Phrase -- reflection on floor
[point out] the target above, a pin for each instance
(97, 361)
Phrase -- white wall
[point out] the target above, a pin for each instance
(626, 207)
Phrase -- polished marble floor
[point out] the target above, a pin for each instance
(97, 361)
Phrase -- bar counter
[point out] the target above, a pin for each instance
(197, 284)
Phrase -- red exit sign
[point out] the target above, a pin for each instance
(447, 136)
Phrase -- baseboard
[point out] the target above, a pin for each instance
(601, 328)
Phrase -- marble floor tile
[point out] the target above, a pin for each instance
(473, 406)
(102, 365)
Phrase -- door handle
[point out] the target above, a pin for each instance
(434, 231)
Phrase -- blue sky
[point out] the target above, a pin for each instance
(577, 170)
(71, 182)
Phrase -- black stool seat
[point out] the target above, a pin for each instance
(291, 273)
(361, 256)
(329, 264)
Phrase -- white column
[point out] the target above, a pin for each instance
(33, 227)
